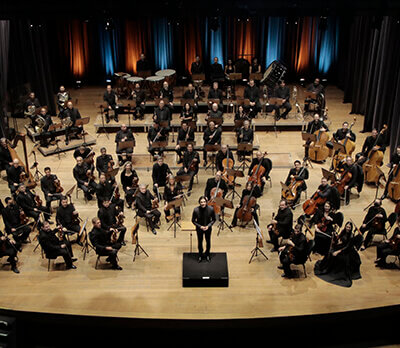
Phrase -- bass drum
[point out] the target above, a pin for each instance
(169, 76)
(275, 71)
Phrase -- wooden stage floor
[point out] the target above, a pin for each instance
(152, 287)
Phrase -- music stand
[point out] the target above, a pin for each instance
(235, 77)
(52, 128)
(189, 101)
(198, 80)
(158, 99)
(308, 138)
(328, 175)
(122, 145)
(138, 247)
(159, 144)
(257, 250)
(217, 120)
(223, 203)
(244, 147)
(212, 148)
(84, 239)
(81, 122)
(101, 106)
(235, 174)
(310, 95)
(184, 144)
(256, 76)
(174, 204)
(191, 124)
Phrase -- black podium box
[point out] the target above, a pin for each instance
(205, 274)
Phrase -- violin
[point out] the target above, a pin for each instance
(257, 172)
(57, 185)
(90, 175)
(120, 219)
(155, 203)
(318, 151)
(274, 227)
(23, 218)
(394, 184)
(323, 224)
(227, 163)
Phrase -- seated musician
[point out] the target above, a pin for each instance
(160, 175)
(49, 183)
(374, 223)
(252, 93)
(264, 162)
(140, 97)
(298, 173)
(246, 192)
(171, 192)
(255, 67)
(26, 201)
(197, 66)
(356, 180)
(216, 71)
(221, 155)
(388, 247)
(215, 93)
(191, 94)
(53, 245)
(162, 114)
(8, 248)
(344, 132)
(129, 182)
(14, 174)
(82, 151)
(187, 114)
(124, 134)
(105, 192)
(373, 142)
(281, 225)
(168, 93)
(324, 221)
(5, 156)
(12, 222)
(143, 64)
(185, 134)
(295, 251)
(46, 136)
(62, 98)
(109, 213)
(214, 182)
(394, 163)
(69, 117)
(215, 113)
(316, 124)
(244, 135)
(229, 69)
(111, 98)
(67, 218)
(283, 92)
(212, 136)
(190, 164)
(144, 205)
(324, 190)
(104, 162)
(319, 91)
(102, 243)
(241, 113)
(30, 106)
(84, 180)
(156, 134)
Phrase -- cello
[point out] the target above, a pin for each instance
(310, 206)
(349, 147)
(215, 192)
(318, 151)
(289, 193)
(227, 163)
(244, 213)
(258, 172)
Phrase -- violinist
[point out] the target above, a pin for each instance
(281, 225)
(13, 224)
(244, 135)
(215, 113)
(104, 246)
(203, 217)
(111, 98)
(185, 134)
(388, 247)
(190, 164)
(73, 114)
(250, 192)
(14, 174)
(8, 248)
(84, 179)
(394, 168)
(156, 134)
(356, 180)
(212, 136)
(214, 182)
(139, 96)
(221, 155)
(171, 192)
(215, 93)
(191, 94)
(297, 174)
(241, 114)
(124, 134)
(374, 223)
(145, 203)
(263, 162)
(160, 175)
(54, 244)
(295, 251)
(373, 142)
(282, 92)
(51, 187)
(105, 191)
(324, 220)
(167, 92)
(252, 93)
(111, 218)
(28, 203)
(5, 156)
(67, 218)
(187, 114)
(129, 181)
(162, 113)
(104, 162)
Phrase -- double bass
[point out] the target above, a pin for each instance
(374, 160)
(349, 147)
(318, 150)
(244, 213)
(258, 172)
(394, 184)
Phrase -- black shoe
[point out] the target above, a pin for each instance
(107, 120)
(108, 259)
(232, 226)
(280, 267)
(199, 259)
(154, 231)
(71, 267)
(289, 276)
(123, 243)
(116, 119)
(89, 198)
(273, 250)
(66, 142)
(208, 258)
(117, 267)
(15, 269)
(205, 164)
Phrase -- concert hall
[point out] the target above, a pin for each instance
(172, 169)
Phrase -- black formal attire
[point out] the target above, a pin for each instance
(111, 100)
(108, 218)
(187, 161)
(319, 101)
(371, 228)
(101, 239)
(153, 136)
(191, 95)
(27, 202)
(81, 178)
(216, 94)
(104, 191)
(31, 102)
(129, 184)
(244, 136)
(163, 115)
(47, 185)
(140, 97)
(253, 94)
(118, 139)
(323, 242)
(167, 93)
(215, 140)
(217, 73)
(325, 192)
(197, 68)
(77, 153)
(11, 219)
(385, 249)
(394, 160)
(65, 218)
(6, 249)
(102, 163)
(46, 135)
(62, 99)
(284, 225)
(143, 65)
(169, 194)
(211, 183)
(159, 175)
(313, 126)
(283, 93)
(203, 217)
(355, 170)
(217, 114)
(184, 135)
(266, 163)
(298, 253)
(369, 143)
(188, 115)
(13, 177)
(300, 175)
(220, 157)
(51, 246)
(341, 134)
(256, 193)
(143, 204)
(74, 115)
(5, 158)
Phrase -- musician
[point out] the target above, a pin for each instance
(344, 132)
(191, 94)
(388, 247)
(111, 98)
(298, 173)
(160, 175)
(221, 155)
(156, 134)
(14, 173)
(144, 205)
(374, 223)
(101, 241)
(143, 64)
(255, 67)
(84, 180)
(67, 218)
(82, 151)
(129, 182)
(357, 177)
(283, 222)
(214, 182)
(109, 214)
(190, 165)
(104, 162)
(105, 191)
(140, 97)
(49, 183)
(8, 248)
(229, 68)
(124, 135)
(197, 66)
(283, 92)
(319, 91)
(216, 71)
(212, 136)
(171, 192)
(5, 156)
(26, 200)
(215, 113)
(187, 114)
(372, 142)
(185, 134)
(324, 220)
(252, 93)
(203, 217)
(315, 125)
(325, 191)
(264, 162)
(244, 135)
(215, 93)
(62, 98)
(12, 222)
(162, 114)
(30, 106)
(45, 135)
(251, 191)
(394, 161)
(167, 92)
(241, 113)
(73, 114)
(295, 251)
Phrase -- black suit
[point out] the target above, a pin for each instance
(211, 183)
(253, 94)
(47, 185)
(11, 219)
(284, 226)
(108, 220)
(203, 217)
(101, 239)
(65, 218)
(51, 246)
(370, 226)
(299, 253)
(283, 93)
(143, 204)
(187, 161)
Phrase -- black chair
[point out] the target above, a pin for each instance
(309, 248)
(338, 219)
(391, 220)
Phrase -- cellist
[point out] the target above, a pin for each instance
(221, 155)
(298, 173)
(372, 142)
(281, 225)
(344, 132)
(388, 247)
(374, 222)
(260, 160)
(356, 180)
(213, 182)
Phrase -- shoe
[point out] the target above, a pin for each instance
(108, 259)
(199, 259)
(377, 260)
(71, 267)
(208, 258)
(362, 248)
(107, 120)
(66, 142)
(116, 119)
(205, 164)
(117, 267)
(154, 231)
(280, 267)
(123, 243)
(232, 226)
(74, 259)
(273, 250)
(15, 269)
(289, 276)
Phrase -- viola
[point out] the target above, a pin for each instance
(257, 172)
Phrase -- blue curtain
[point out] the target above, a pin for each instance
(109, 48)
(328, 50)
(163, 43)
(275, 39)
(213, 43)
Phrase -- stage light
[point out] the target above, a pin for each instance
(109, 24)
(78, 84)
(108, 81)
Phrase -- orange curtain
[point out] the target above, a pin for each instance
(134, 44)
(78, 48)
(192, 42)
(245, 47)
(307, 44)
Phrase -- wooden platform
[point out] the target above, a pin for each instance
(62, 147)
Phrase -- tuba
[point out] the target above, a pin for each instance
(40, 123)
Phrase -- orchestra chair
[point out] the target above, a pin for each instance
(98, 259)
(138, 219)
(389, 224)
(77, 193)
(309, 247)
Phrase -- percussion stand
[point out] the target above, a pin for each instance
(138, 247)
(102, 121)
(257, 250)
